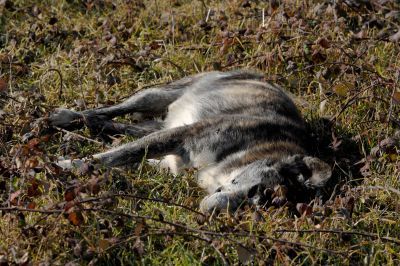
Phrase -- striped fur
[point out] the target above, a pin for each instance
(243, 135)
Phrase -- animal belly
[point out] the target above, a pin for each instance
(183, 111)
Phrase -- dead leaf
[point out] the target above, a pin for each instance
(104, 244)
(31, 163)
(94, 186)
(34, 188)
(244, 254)
(31, 205)
(139, 228)
(76, 218)
(33, 143)
(324, 43)
(70, 194)
(396, 97)
(3, 85)
(304, 209)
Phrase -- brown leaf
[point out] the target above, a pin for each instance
(396, 97)
(76, 218)
(70, 194)
(33, 143)
(139, 228)
(31, 163)
(304, 209)
(34, 188)
(31, 205)
(104, 244)
(3, 85)
(227, 42)
(324, 43)
(349, 204)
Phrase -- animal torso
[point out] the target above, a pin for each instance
(243, 135)
(258, 121)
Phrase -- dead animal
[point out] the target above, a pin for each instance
(245, 136)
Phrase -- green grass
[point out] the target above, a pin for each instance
(97, 53)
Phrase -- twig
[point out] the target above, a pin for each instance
(81, 137)
(19, 209)
(142, 198)
(163, 233)
(334, 231)
(396, 191)
(199, 231)
(332, 63)
(9, 97)
(214, 233)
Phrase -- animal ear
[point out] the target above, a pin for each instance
(309, 171)
(321, 172)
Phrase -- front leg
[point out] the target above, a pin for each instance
(155, 145)
(172, 141)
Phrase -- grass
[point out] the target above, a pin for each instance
(341, 61)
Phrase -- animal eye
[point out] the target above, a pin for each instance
(218, 189)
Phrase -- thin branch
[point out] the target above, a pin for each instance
(142, 198)
(164, 233)
(335, 231)
(391, 189)
(81, 137)
(18, 209)
(214, 233)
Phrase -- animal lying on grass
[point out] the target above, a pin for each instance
(245, 137)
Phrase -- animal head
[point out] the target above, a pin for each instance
(260, 181)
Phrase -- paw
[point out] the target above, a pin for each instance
(64, 118)
(70, 164)
(220, 202)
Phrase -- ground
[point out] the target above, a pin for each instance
(339, 59)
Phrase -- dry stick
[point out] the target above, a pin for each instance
(10, 97)
(332, 63)
(209, 241)
(392, 189)
(333, 231)
(199, 231)
(350, 101)
(19, 209)
(61, 80)
(142, 198)
(81, 137)
(213, 233)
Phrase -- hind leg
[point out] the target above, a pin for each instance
(137, 130)
(150, 102)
